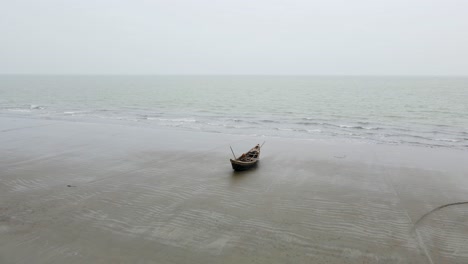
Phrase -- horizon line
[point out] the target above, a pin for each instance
(233, 74)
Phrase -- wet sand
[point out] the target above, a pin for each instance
(105, 193)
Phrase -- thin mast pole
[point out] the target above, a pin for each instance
(233, 152)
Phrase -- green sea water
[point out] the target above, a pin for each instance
(429, 111)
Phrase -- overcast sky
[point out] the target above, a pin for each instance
(410, 37)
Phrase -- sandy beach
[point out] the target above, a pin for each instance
(74, 192)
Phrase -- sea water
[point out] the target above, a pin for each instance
(428, 111)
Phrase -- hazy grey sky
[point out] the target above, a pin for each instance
(234, 37)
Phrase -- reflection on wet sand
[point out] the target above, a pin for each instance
(149, 196)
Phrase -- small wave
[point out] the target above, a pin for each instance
(422, 140)
(393, 116)
(442, 125)
(24, 108)
(236, 120)
(420, 144)
(74, 112)
(314, 119)
(406, 135)
(148, 116)
(19, 110)
(283, 129)
(251, 122)
(302, 130)
(372, 128)
(311, 123)
(446, 140)
(360, 127)
(337, 126)
(268, 121)
(181, 120)
(236, 127)
(38, 107)
(400, 129)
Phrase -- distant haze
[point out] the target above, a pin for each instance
(417, 37)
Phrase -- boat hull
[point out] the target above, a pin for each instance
(242, 166)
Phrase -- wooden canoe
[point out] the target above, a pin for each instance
(247, 160)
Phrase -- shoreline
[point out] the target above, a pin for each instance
(311, 137)
(162, 196)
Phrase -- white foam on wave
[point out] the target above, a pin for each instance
(360, 127)
(446, 139)
(36, 107)
(74, 112)
(184, 120)
(20, 110)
